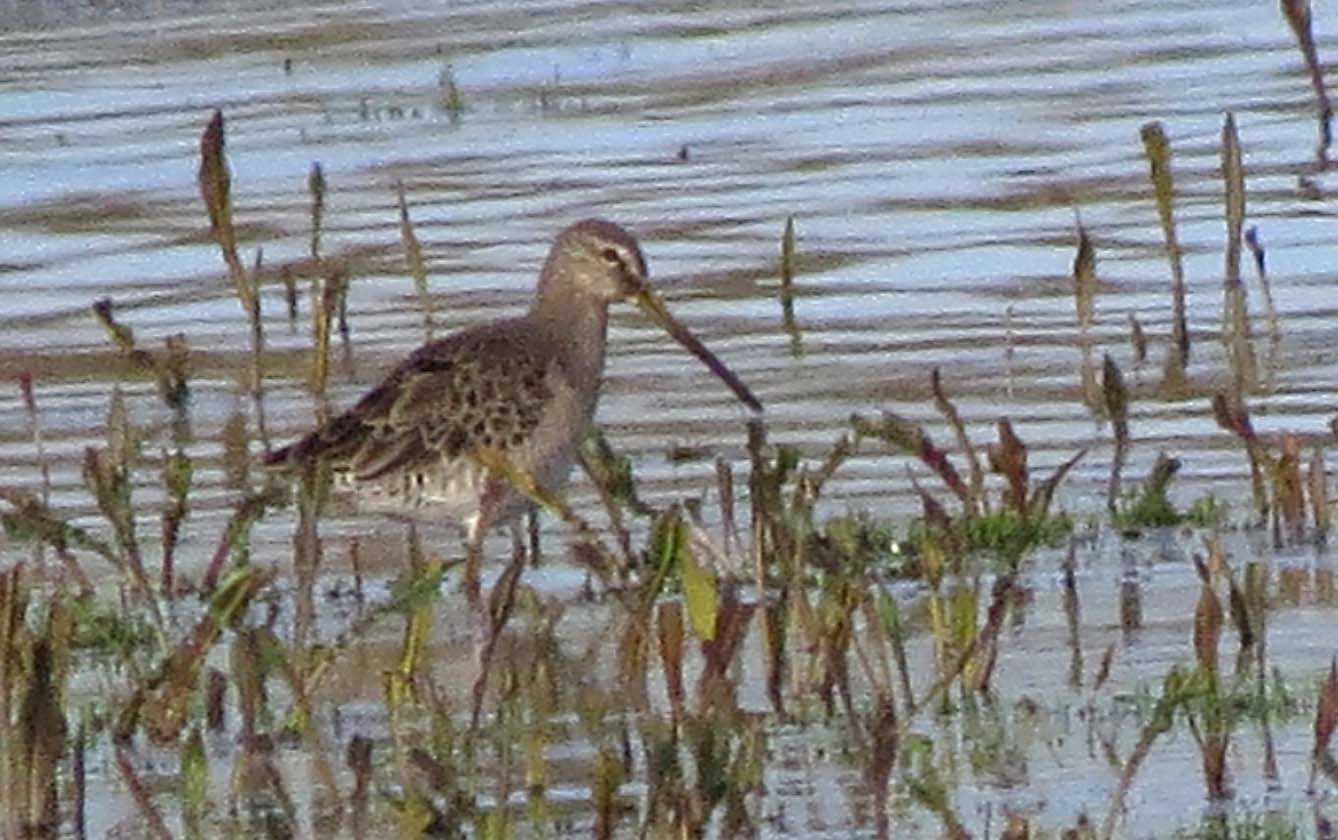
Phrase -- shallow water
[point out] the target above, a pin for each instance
(933, 156)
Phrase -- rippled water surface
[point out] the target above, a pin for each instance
(934, 157)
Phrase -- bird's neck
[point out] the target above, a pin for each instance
(576, 328)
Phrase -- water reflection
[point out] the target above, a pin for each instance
(932, 157)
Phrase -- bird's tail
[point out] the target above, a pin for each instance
(335, 439)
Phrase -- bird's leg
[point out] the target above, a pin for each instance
(490, 499)
(501, 604)
(519, 550)
(532, 521)
(475, 534)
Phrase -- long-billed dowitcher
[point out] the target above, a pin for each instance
(526, 386)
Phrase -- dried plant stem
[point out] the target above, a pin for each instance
(1138, 341)
(1235, 313)
(1117, 408)
(1158, 725)
(787, 288)
(413, 257)
(30, 408)
(330, 291)
(1256, 246)
(296, 674)
(611, 507)
(153, 818)
(1297, 13)
(13, 606)
(257, 384)
(1084, 303)
(79, 782)
(975, 502)
(215, 188)
(316, 187)
(1073, 616)
(1233, 416)
(1319, 495)
(1158, 150)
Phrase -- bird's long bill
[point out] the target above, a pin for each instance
(657, 312)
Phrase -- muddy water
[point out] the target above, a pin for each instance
(933, 156)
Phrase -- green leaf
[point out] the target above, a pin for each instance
(699, 592)
(193, 783)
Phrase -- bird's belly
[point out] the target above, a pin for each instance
(454, 488)
(451, 491)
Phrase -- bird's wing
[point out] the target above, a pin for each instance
(476, 388)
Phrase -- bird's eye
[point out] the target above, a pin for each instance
(611, 256)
